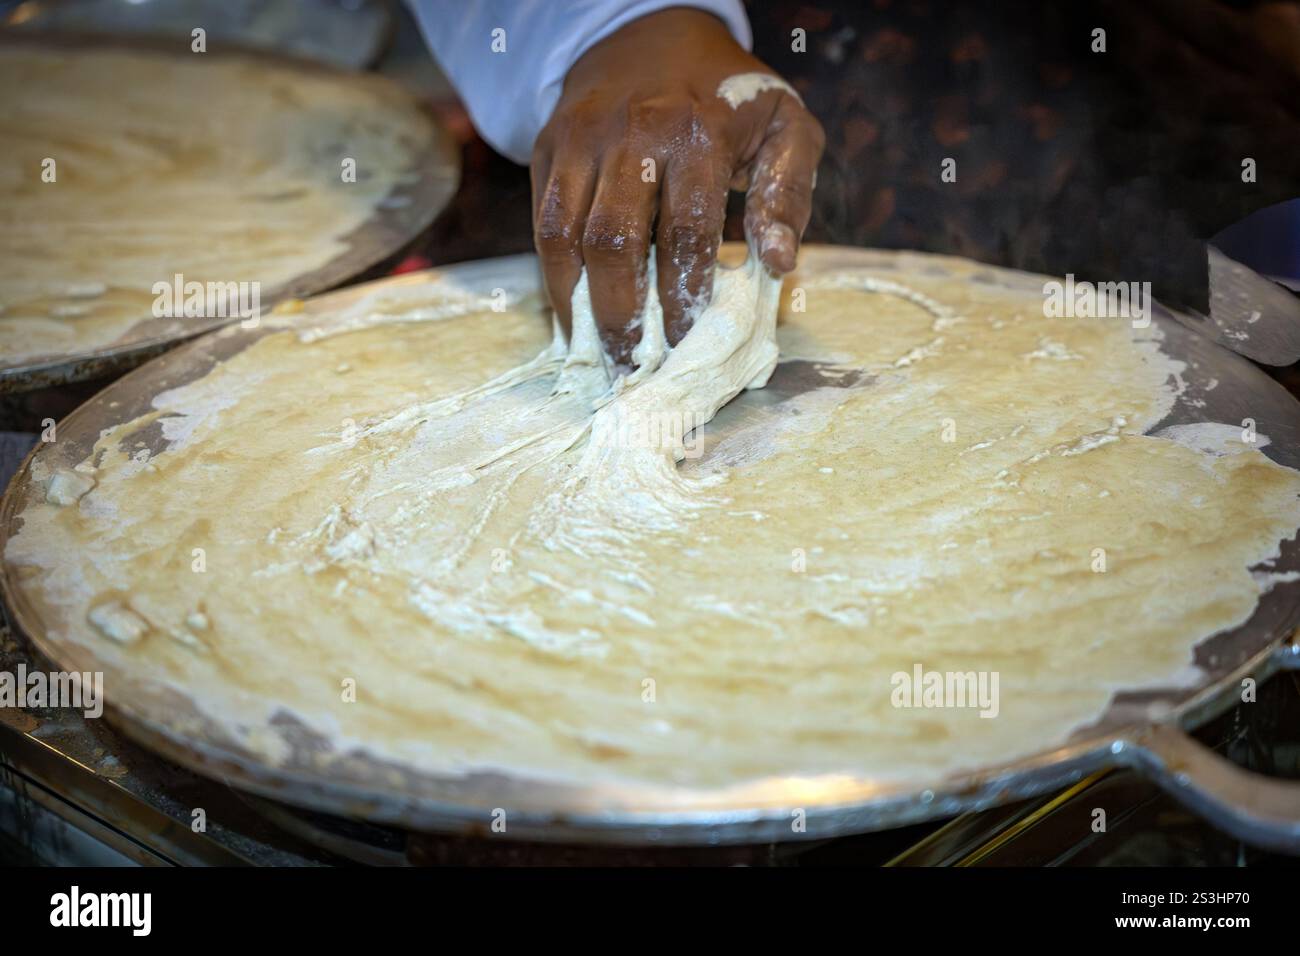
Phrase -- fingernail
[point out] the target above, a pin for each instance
(776, 246)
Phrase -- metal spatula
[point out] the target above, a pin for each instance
(1250, 314)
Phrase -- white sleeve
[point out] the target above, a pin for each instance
(510, 94)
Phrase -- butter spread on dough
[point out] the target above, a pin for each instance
(421, 508)
(246, 188)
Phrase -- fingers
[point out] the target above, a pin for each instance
(562, 194)
(779, 200)
(597, 208)
(692, 210)
(615, 242)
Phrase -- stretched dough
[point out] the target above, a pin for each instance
(627, 473)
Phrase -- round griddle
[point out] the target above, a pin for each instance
(343, 32)
(1142, 728)
(397, 221)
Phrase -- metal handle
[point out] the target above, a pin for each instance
(1257, 809)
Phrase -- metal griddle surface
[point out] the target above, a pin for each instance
(356, 784)
(395, 223)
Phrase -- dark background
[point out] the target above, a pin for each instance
(1117, 165)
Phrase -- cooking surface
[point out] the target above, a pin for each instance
(1154, 830)
(1220, 658)
(344, 32)
(74, 791)
(87, 244)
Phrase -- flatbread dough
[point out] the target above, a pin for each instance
(222, 169)
(409, 508)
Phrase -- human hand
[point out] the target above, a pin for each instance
(641, 144)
